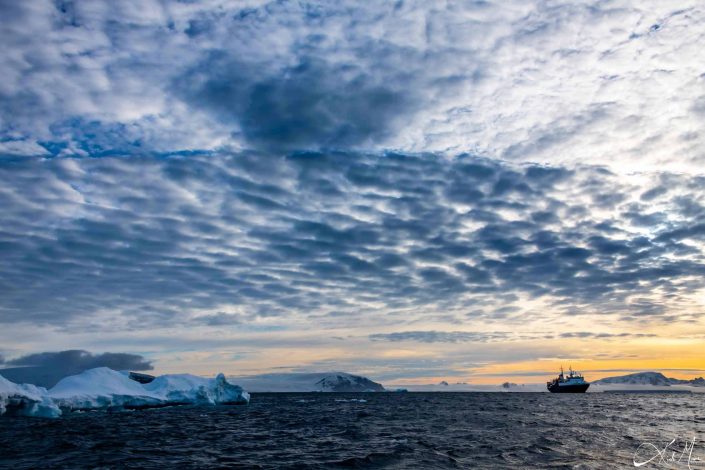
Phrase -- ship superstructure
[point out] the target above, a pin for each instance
(574, 382)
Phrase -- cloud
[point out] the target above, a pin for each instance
(587, 334)
(493, 336)
(560, 83)
(310, 105)
(47, 368)
(439, 336)
(254, 165)
(81, 360)
(242, 237)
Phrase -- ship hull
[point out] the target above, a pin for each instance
(577, 388)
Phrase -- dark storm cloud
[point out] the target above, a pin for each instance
(47, 368)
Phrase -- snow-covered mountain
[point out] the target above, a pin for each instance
(342, 382)
(639, 378)
(308, 382)
(649, 378)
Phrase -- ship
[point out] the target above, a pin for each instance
(574, 382)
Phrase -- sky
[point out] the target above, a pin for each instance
(416, 191)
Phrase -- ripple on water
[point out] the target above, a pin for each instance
(378, 430)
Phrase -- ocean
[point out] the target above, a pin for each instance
(374, 430)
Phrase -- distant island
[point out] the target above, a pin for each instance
(308, 382)
(649, 378)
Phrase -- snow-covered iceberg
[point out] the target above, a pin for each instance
(104, 388)
(186, 388)
(25, 400)
(101, 388)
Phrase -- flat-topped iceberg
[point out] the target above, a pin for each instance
(104, 388)
(25, 400)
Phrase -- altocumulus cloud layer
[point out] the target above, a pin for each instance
(406, 168)
(165, 239)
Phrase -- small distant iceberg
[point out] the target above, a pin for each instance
(106, 389)
(446, 386)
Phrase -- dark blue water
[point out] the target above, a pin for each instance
(386, 430)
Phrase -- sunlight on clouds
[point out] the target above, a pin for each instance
(598, 358)
(560, 83)
(414, 189)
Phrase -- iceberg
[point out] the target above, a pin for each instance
(191, 389)
(106, 389)
(25, 400)
(101, 388)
